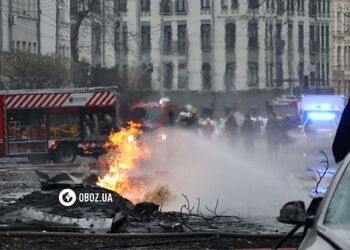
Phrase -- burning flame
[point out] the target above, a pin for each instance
(124, 153)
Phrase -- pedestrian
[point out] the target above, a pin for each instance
(231, 127)
(248, 133)
(272, 131)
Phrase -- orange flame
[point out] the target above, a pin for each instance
(124, 153)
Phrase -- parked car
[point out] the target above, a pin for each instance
(327, 220)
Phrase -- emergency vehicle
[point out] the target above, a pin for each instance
(321, 113)
(286, 105)
(56, 124)
(153, 115)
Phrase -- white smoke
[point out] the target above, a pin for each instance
(211, 169)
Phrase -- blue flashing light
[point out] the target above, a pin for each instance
(321, 116)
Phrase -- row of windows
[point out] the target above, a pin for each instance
(206, 75)
(274, 75)
(280, 6)
(167, 48)
(166, 6)
(319, 37)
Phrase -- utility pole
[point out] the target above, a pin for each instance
(121, 39)
(1, 42)
(10, 21)
(161, 67)
(119, 42)
(38, 33)
(103, 34)
(58, 28)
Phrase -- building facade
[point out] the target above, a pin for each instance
(37, 26)
(341, 46)
(216, 45)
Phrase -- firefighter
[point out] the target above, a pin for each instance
(231, 127)
(188, 117)
(272, 131)
(248, 133)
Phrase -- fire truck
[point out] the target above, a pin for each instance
(153, 115)
(286, 105)
(57, 124)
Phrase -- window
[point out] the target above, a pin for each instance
(224, 4)
(312, 8)
(205, 4)
(98, 123)
(27, 8)
(229, 78)
(166, 7)
(324, 7)
(322, 38)
(253, 4)
(337, 215)
(146, 38)
(27, 131)
(206, 37)
(339, 56)
(279, 41)
(124, 39)
(145, 5)
(301, 71)
(206, 76)
(234, 4)
(168, 75)
(167, 39)
(121, 5)
(253, 74)
(290, 37)
(24, 45)
(328, 7)
(280, 7)
(34, 48)
(230, 36)
(291, 6)
(182, 38)
(279, 74)
(253, 42)
(181, 6)
(327, 38)
(301, 37)
(64, 124)
(183, 76)
(312, 41)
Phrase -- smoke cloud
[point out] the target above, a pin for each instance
(246, 184)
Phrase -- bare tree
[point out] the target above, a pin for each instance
(320, 174)
(80, 10)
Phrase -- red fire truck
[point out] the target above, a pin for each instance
(153, 115)
(56, 124)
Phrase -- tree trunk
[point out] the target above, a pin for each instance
(75, 39)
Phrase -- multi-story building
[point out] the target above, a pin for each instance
(217, 45)
(37, 26)
(341, 46)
